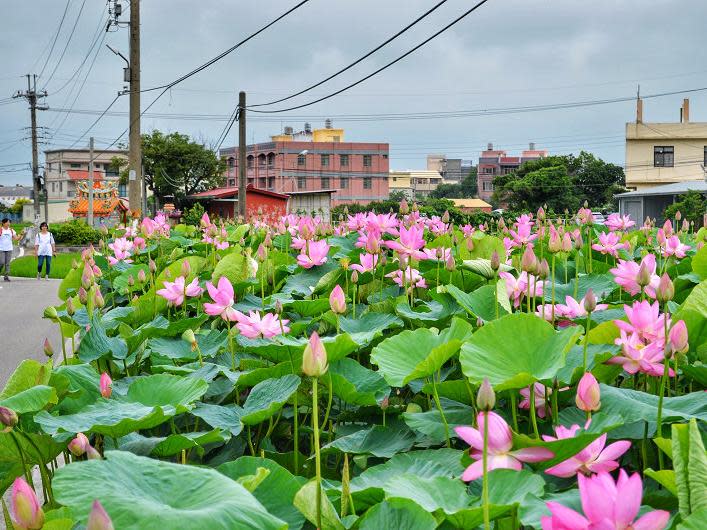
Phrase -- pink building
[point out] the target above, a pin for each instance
(496, 162)
(312, 161)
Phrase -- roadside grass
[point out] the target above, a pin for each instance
(26, 266)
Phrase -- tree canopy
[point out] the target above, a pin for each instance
(691, 205)
(466, 189)
(561, 181)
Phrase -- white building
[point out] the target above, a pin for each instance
(10, 194)
(65, 167)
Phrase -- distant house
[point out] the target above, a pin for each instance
(497, 162)
(472, 205)
(65, 167)
(414, 183)
(108, 208)
(10, 194)
(651, 202)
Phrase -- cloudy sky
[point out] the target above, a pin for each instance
(509, 53)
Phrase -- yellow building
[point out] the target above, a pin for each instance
(665, 153)
(327, 134)
(414, 183)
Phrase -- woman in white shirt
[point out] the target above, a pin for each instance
(45, 248)
(7, 237)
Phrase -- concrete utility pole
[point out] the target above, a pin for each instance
(135, 142)
(242, 181)
(89, 212)
(32, 96)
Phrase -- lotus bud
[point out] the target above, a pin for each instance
(354, 277)
(566, 243)
(8, 418)
(578, 242)
(93, 454)
(83, 296)
(189, 337)
(666, 290)
(501, 224)
(543, 269)
(79, 445)
(586, 203)
(495, 261)
(102, 245)
(152, 266)
(70, 309)
(135, 299)
(470, 244)
(141, 276)
(24, 507)
(685, 225)
(590, 301)
(450, 264)
(167, 274)
(98, 519)
(131, 281)
(98, 300)
(48, 350)
(678, 337)
(668, 228)
(106, 385)
(314, 358)
(345, 262)
(261, 253)
(415, 208)
(529, 262)
(486, 397)
(267, 241)
(404, 208)
(337, 300)
(479, 322)
(541, 214)
(588, 394)
(278, 307)
(50, 313)
(385, 403)
(555, 242)
(445, 217)
(643, 277)
(186, 268)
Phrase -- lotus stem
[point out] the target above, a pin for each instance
(485, 480)
(586, 343)
(230, 346)
(553, 288)
(663, 379)
(328, 404)
(514, 411)
(317, 456)
(441, 412)
(533, 418)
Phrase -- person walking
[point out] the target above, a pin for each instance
(45, 248)
(7, 238)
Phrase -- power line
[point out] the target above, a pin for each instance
(227, 52)
(96, 121)
(56, 36)
(357, 61)
(388, 65)
(66, 46)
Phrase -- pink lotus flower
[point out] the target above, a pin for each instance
(595, 458)
(223, 300)
(121, 248)
(148, 227)
(79, 445)
(588, 396)
(437, 254)
(636, 356)
(337, 300)
(370, 240)
(541, 401)
(678, 337)
(175, 292)
(500, 443)
(573, 309)
(523, 235)
(674, 247)
(106, 385)
(644, 320)
(315, 254)
(314, 357)
(516, 288)
(607, 505)
(411, 241)
(368, 263)
(609, 243)
(410, 276)
(98, 519)
(25, 510)
(254, 326)
(626, 275)
(617, 221)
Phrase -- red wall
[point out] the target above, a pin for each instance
(271, 208)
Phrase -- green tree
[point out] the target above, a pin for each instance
(17, 207)
(447, 191)
(176, 166)
(691, 205)
(597, 181)
(469, 184)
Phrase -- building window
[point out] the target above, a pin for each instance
(271, 160)
(344, 183)
(487, 186)
(249, 163)
(325, 160)
(395, 179)
(367, 183)
(232, 182)
(261, 160)
(53, 190)
(488, 171)
(301, 159)
(367, 160)
(75, 165)
(61, 186)
(344, 160)
(705, 158)
(663, 155)
(507, 170)
(385, 156)
(325, 183)
(301, 183)
(336, 139)
(231, 162)
(271, 183)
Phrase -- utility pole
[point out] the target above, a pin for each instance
(89, 213)
(242, 182)
(135, 147)
(32, 96)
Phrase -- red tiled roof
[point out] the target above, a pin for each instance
(101, 207)
(222, 193)
(82, 174)
(510, 160)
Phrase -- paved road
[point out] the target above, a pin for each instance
(22, 328)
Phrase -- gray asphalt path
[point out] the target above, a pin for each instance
(22, 328)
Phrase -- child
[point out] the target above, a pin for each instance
(45, 249)
(7, 236)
